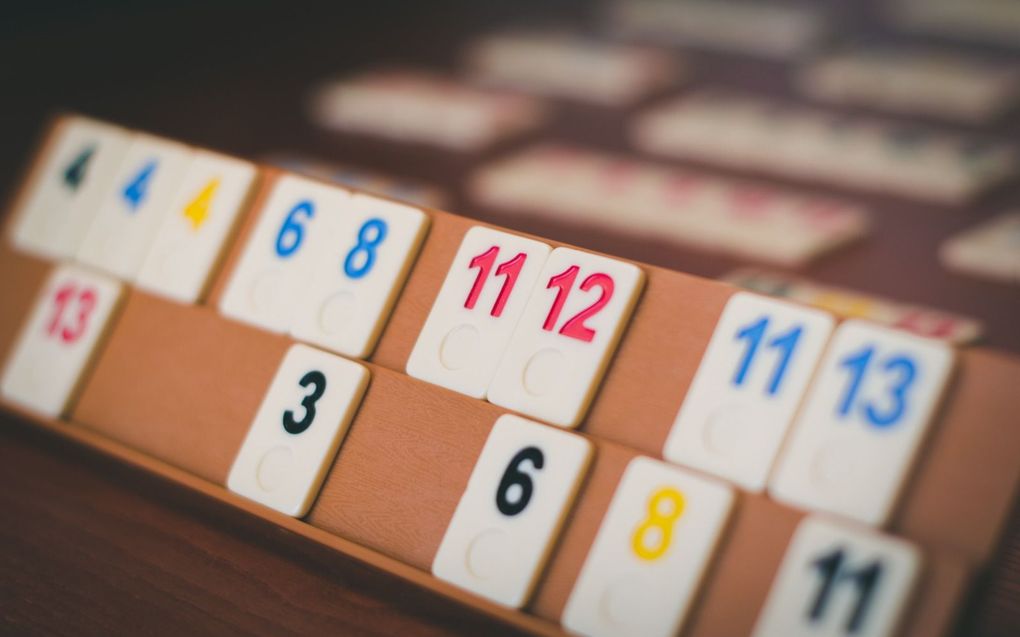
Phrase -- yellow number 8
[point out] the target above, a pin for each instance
(664, 508)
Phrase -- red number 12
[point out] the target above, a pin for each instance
(86, 303)
(575, 327)
(510, 269)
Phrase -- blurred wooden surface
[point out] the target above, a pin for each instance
(92, 547)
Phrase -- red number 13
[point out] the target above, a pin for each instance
(86, 303)
(575, 327)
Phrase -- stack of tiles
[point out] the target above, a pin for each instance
(803, 143)
(561, 65)
(959, 330)
(939, 83)
(715, 213)
(424, 108)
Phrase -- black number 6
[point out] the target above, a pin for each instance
(318, 379)
(514, 476)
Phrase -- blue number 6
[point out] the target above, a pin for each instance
(292, 233)
(370, 235)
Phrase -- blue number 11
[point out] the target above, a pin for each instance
(785, 343)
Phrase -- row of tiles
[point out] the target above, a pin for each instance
(653, 546)
(532, 330)
(941, 82)
(744, 130)
(763, 134)
(739, 217)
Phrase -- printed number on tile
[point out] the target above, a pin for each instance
(361, 258)
(315, 382)
(880, 411)
(137, 188)
(784, 344)
(83, 302)
(654, 535)
(516, 486)
(292, 231)
(575, 327)
(509, 270)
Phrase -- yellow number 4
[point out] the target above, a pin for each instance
(653, 536)
(198, 210)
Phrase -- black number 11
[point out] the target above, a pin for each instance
(831, 568)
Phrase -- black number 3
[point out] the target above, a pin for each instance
(514, 476)
(318, 379)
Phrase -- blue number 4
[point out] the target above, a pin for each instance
(785, 343)
(858, 364)
(136, 189)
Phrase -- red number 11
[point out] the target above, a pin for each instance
(86, 303)
(510, 269)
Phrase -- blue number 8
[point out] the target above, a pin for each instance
(858, 364)
(370, 235)
(292, 233)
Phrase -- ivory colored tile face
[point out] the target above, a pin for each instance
(134, 205)
(201, 215)
(357, 277)
(747, 388)
(566, 336)
(650, 554)
(57, 342)
(476, 310)
(511, 513)
(298, 429)
(867, 411)
(274, 269)
(64, 194)
(839, 581)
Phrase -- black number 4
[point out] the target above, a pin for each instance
(318, 379)
(831, 567)
(514, 476)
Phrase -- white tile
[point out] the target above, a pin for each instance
(566, 336)
(568, 66)
(133, 206)
(865, 416)
(357, 277)
(474, 314)
(510, 514)
(989, 250)
(298, 428)
(64, 193)
(58, 340)
(202, 214)
(273, 271)
(839, 581)
(750, 381)
(650, 553)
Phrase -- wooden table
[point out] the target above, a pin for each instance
(89, 546)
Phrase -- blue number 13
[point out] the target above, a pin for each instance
(785, 343)
(858, 364)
